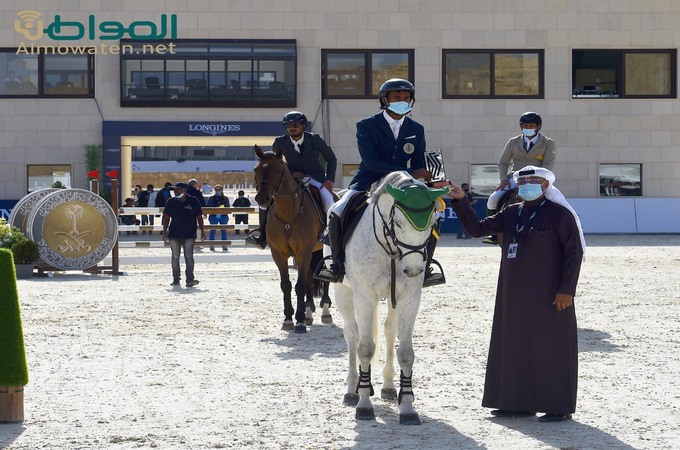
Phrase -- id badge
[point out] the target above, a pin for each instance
(512, 251)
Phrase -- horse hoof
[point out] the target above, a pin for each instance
(288, 326)
(350, 399)
(388, 394)
(326, 318)
(300, 328)
(365, 414)
(309, 321)
(409, 419)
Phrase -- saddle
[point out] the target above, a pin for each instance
(315, 195)
(352, 214)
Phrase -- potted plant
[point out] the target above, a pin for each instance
(25, 254)
(13, 368)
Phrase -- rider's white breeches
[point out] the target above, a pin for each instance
(496, 197)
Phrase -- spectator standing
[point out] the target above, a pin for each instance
(143, 202)
(241, 202)
(533, 354)
(181, 218)
(218, 200)
(193, 191)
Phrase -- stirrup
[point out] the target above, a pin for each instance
(258, 241)
(326, 274)
(433, 278)
(493, 240)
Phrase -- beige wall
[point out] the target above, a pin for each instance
(587, 131)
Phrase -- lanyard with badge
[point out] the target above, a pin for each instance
(519, 227)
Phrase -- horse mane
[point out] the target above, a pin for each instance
(396, 179)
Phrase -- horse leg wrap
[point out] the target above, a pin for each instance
(405, 382)
(365, 380)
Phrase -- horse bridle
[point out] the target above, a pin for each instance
(394, 249)
(293, 194)
(390, 235)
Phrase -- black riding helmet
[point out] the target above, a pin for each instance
(395, 84)
(295, 116)
(530, 117)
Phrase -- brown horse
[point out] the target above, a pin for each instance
(293, 228)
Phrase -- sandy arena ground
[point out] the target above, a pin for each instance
(130, 362)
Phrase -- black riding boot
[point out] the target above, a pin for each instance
(336, 271)
(433, 278)
(492, 239)
(259, 237)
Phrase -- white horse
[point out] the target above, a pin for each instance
(385, 258)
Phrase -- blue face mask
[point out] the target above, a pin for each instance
(401, 108)
(530, 191)
(529, 133)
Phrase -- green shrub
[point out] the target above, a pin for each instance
(13, 369)
(9, 235)
(25, 252)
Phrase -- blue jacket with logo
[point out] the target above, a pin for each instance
(382, 154)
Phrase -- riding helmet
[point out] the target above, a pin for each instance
(295, 116)
(395, 84)
(530, 117)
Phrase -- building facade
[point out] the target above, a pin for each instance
(173, 79)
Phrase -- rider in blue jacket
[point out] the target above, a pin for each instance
(387, 142)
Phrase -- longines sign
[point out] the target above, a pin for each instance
(214, 129)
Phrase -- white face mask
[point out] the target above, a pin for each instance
(401, 108)
(529, 132)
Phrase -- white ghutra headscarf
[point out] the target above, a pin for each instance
(553, 194)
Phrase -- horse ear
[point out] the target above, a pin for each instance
(434, 194)
(397, 193)
(258, 151)
(279, 152)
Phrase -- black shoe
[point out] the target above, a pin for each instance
(510, 413)
(192, 283)
(175, 282)
(212, 248)
(224, 248)
(554, 417)
(493, 240)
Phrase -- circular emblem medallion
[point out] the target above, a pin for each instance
(409, 148)
(539, 157)
(74, 229)
(19, 215)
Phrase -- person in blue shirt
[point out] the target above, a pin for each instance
(388, 141)
(217, 200)
(181, 216)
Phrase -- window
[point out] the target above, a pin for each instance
(359, 73)
(46, 75)
(223, 72)
(620, 180)
(45, 176)
(492, 74)
(483, 179)
(624, 73)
